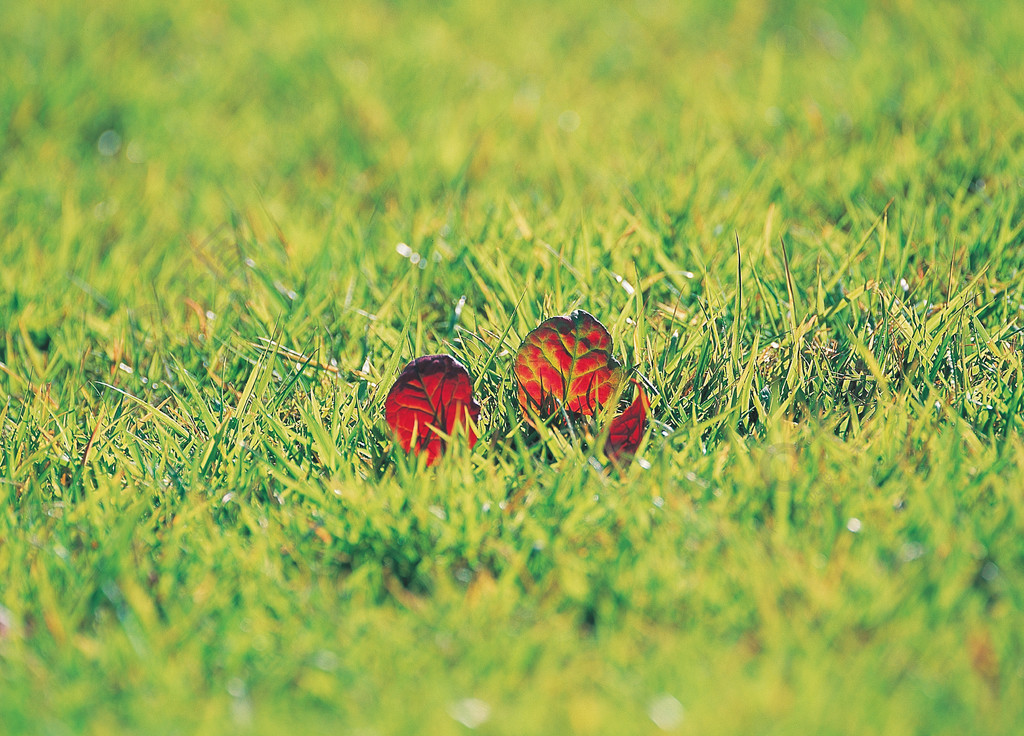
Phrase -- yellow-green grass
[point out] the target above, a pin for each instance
(224, 227)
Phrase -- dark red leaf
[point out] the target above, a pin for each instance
(432, 394)
(627, 429)
(566, 363)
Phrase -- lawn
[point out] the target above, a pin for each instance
(225, 227)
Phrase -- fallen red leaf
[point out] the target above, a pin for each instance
(627, 429)
(431, 397)
(566, 363)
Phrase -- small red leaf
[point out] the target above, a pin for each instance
(627, 429)
(566, 363)
(432, 396)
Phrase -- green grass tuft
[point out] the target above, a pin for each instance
(224, 228)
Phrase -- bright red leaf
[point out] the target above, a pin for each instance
(431, 397)
(566, 363)
(627, 429)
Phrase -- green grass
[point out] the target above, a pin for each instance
(204, 527)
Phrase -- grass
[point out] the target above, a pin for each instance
(224, 229)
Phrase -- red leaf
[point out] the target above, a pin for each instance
(627, 429)
(433, 393)
(567, 363)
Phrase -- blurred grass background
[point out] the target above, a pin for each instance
(202, 532)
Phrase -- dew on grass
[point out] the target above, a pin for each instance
(357, 70)
(241, 708)
(403, 250)
(990, 571)
(569, 121)
(666, 712)
(105, 209)
(133, 152)
(911, 551)
(109, 143)
(853, 524)
(626, 286)
(290, 294)
(470, 712)
(438, 512)
(325, 660)
(694, 478)
(6, 623)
